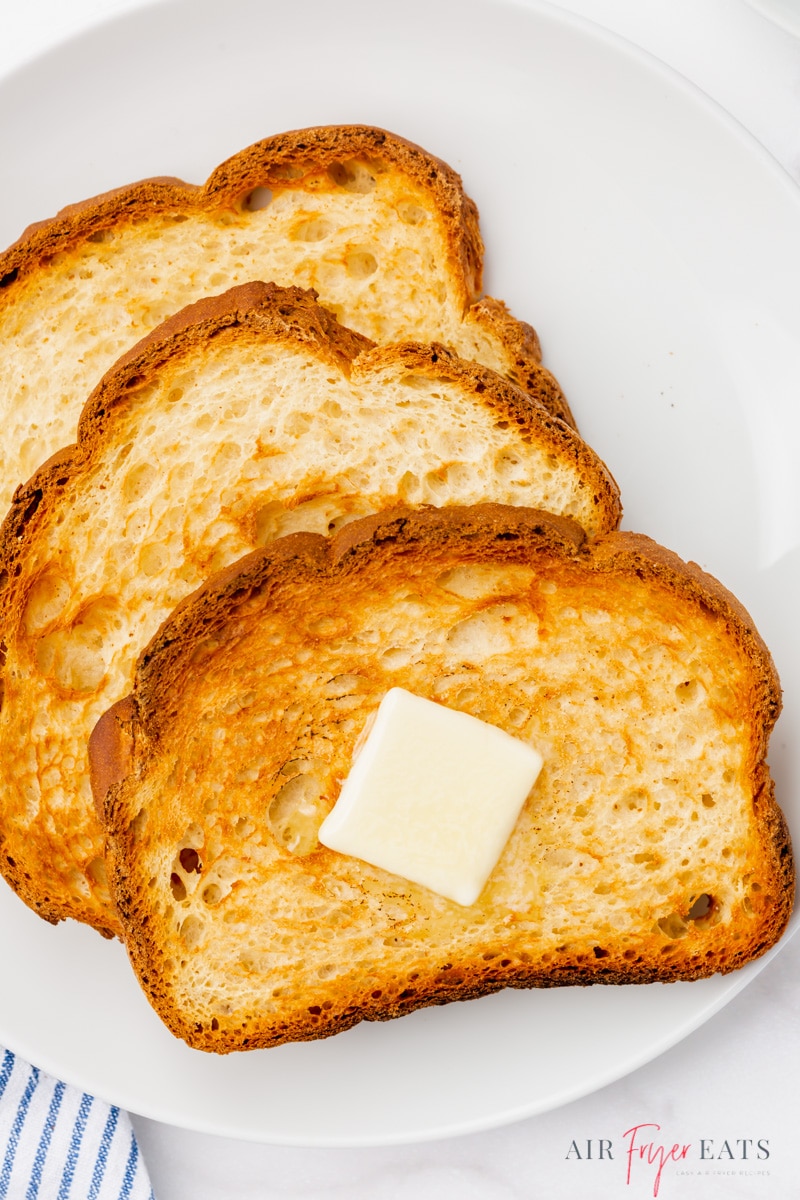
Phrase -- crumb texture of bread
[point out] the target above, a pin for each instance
(650, 848)
(243, 418)
(380, 229)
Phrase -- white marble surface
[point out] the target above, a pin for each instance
(730, 1085)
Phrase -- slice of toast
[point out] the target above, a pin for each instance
(242, 418)
(650, 847)
(379, 228)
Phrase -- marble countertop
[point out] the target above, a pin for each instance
(728, 1091)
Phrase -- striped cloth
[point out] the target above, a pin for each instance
(56, 1143)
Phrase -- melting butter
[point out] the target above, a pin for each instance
(433, 795)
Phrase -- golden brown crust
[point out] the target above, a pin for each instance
(636, 553)
(302, 557)
(36, 896)
(519, 404)
(273, 162)
(290, 160)
(79, 222)
(210, 622)
(111, 747)
(525, 352)
(290, 314)
(494, 314)
(294, 308)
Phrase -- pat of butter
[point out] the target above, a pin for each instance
(432, 796)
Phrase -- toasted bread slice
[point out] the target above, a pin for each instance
(242, 418)
(650, 847)
(382, 230)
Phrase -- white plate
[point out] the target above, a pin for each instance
(785, 13)
(657, 249)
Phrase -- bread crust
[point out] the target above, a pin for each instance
(285, 161)
(206, 628)
(293, 315)
(275, 162)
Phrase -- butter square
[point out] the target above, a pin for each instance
(432, 796)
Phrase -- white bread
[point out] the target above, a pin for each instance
(650, 848)
(379, 228)
(244, 417)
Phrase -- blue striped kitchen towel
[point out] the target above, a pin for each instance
(56, 1143)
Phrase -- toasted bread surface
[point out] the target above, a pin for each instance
(650, 848)
(244, 417)
(381, 229)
